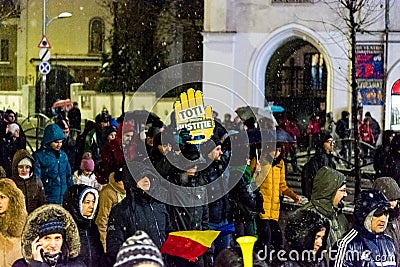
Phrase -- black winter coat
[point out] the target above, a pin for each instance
(245, 198)
(217, 171)
(137, 211)
(92, 250)
(189, 217)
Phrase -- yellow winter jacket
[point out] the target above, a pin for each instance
(272, 187)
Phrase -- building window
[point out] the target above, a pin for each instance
(96, 38)
(5, 50)
(315, 75)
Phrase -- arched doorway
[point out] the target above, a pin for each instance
(296, 78)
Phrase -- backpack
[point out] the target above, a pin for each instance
(307, 177)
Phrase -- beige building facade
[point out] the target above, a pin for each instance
(260, 40)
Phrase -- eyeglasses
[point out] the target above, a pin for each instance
(380, 212)
(330, 141)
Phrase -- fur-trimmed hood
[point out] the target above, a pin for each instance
(12, 223)
(43, 214)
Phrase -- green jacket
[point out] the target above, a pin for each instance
(326, 183)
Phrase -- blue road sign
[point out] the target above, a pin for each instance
(44, 68)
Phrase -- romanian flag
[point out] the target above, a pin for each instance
(189, 244)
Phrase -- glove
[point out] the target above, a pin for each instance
(184, 136)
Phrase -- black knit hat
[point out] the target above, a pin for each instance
(209, 145)
(138, 248)
(326, 137)
(52, 226)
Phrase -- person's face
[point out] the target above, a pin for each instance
(149, 141)
(16, 134)
(391, 137)
(278, 151)
(340, 194)
(24, 170)
(127, 137)
(66, 132)
(144, 184)
(192, 171)
(216, 153)
(112, 136)
(379, 222)
(318, 239)
(104, 124)
(4, 202)
(88, 205)
(164, 149)
(51, 243)
(393, 203)
(56, 145)
(11, 117)
(329, 145)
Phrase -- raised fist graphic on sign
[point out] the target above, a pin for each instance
(191, 114)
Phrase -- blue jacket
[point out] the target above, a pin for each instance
(52, 166)
(360, 246)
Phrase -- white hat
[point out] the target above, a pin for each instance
(25, 161)
(13, 128)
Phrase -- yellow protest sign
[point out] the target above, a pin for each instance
(190, 113)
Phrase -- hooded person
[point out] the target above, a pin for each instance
(52, 165)
(138, 210)
(12, 219)
(391, 190)
(306, 233)
(116, 152)
(329, 190)
(366, 244)
(23, 175)
(50, 238)
(81, 201)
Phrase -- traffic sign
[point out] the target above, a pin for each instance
(44, 68)
(44, 43)
(44, 54)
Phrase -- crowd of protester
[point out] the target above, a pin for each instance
(103, 196)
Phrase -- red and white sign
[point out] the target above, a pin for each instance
(44, 43)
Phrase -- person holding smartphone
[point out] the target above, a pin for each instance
(50, 238)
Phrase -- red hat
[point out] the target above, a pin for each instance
(127, 127)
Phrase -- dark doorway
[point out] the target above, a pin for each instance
(58, 82)
(296, 79)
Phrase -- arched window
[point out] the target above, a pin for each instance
(96, 36)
